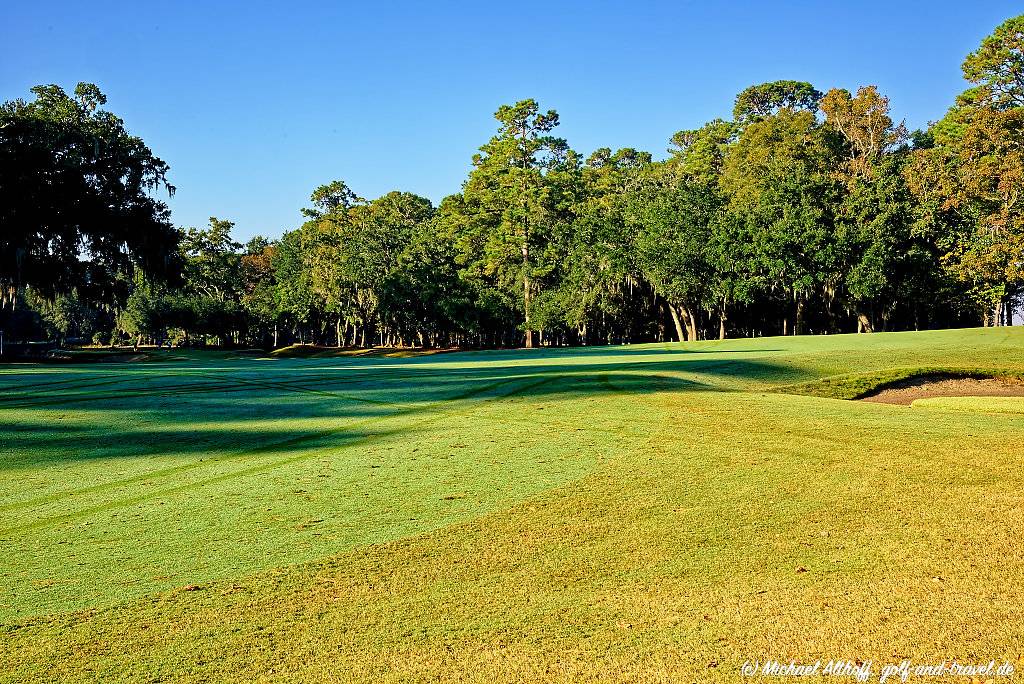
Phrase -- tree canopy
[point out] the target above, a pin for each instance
(807, 212)
(76, 199)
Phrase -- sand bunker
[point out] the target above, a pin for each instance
(907, 391)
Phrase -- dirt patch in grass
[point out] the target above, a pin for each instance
(907, 391)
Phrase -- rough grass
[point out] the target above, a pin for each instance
(646, 513)
(973, 404)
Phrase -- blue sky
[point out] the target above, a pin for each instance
(254, 105)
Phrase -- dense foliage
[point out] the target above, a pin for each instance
(810, 212)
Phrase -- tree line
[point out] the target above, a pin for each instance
(807, 212)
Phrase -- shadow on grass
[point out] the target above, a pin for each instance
(204, 412)
(207, 419)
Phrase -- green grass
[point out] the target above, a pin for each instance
(643, 513)
(973, 404)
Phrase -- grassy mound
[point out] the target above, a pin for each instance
(312, 351)
(859, 385)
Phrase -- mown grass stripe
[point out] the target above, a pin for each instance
(253, 452)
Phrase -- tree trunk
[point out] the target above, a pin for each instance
(526, 293)
(721, 323)
(275, 336)
(675, 320)
(864, 323)
(691, 324)
(798, 324)
(337, 331)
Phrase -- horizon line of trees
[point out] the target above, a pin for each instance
(807, 212)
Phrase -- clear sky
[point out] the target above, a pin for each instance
(253, 105)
